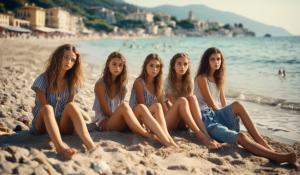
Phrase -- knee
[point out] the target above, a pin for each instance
(237, 104)
(48, 109)
(71, 105)
(125, 107)
(157, 106)
(192, 98)
(140, 108)
(241, 136)
(182, 101)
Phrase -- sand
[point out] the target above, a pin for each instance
(116, 153)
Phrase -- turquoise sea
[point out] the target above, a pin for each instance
(252, 66)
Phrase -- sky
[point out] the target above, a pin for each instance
(281, 13)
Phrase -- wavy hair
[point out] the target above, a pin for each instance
(186, 88)
(73, 76)
(158, 80)
(204, 67)
(121, 80)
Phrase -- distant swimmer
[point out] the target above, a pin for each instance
(281, 72)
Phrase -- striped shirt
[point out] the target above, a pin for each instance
(57, 100)
(148, 96)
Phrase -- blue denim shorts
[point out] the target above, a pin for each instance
(222, 125)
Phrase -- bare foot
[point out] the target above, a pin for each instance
(174, 143)
(288, 157)
(212, 144)
(67, 153)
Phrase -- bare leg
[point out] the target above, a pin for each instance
(72, 114)
(122, 116)
(181, 108)
(195, 110)
(196, 114)
(45, 121)
(262, 151)
(241, 111)
(157, 112)
(143, 113)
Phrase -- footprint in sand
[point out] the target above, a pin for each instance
(215, 160)
(136, 148)
(111, 150)
(237, 162)
(220, 170)
(178, 167)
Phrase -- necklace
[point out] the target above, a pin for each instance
(58, 98)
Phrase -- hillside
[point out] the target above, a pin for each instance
(203, 12)
(78, 7)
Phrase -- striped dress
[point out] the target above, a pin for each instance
(57, 100)
(112, 105)
(148, 96)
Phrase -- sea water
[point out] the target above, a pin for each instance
(252, 66)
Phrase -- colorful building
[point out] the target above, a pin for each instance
(58, 18)
(35, 15)
(4, 19)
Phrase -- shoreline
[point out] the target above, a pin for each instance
(123, 153)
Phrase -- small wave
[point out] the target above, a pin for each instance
(291, 106)
(289, 61)
(282, 103)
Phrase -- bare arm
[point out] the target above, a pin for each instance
(42, 97)
(222, 97)
(139, 91)
(71, 98)
(100, 95)
(204, 89)
(171, 99)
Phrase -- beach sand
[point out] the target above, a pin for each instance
(21, 61)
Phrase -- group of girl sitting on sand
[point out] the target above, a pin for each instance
(155, 107)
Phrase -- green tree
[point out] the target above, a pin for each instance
(13, 4)
(131, 24)
(185, 24)
(173, 18)
(227, 26)
(99, 25)
(2, 8)
(156, 18)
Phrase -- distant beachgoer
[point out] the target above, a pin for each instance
(221, 121)
(112, 113)
(182, 109)
(148, 92)
(281, 72)
(55, 111)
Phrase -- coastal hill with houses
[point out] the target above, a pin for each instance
(104, 18)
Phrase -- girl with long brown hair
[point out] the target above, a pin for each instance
(182, 109)
(147, 91)
(221, 120)
(112, 113)
(55, 111)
